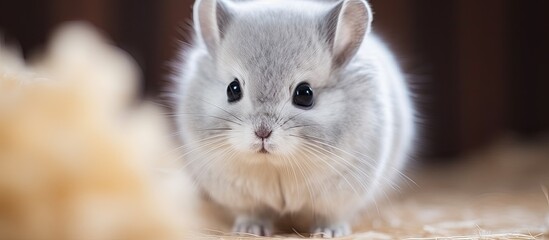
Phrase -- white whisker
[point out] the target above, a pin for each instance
(335, 170)
(306, 179)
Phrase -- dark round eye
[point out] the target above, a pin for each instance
(234, 93)
(303, 95)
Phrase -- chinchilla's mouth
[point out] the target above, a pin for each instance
(263, 151)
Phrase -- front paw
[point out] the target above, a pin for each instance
(252, 226)
(331, 231)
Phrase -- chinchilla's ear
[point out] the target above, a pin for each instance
(345, 26)
(210, 19)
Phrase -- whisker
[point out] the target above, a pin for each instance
(291, 118)
(323, 188)
(320, 141)
(299, 126)
(384, 178)
(387, 180)
(338, 172)
(294, 174)
(215, 158)
(278, 118)
(203, 115)
(220, 138)
(363, 186)
(220, 108)
(306, 179)
(214, 129)
(406, 177)
(201, 168)
(184, 146)
(162, 105)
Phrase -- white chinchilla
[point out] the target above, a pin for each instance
(292, 108)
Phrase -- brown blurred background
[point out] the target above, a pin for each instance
(478, 68)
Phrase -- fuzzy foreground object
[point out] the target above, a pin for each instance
(76, 161)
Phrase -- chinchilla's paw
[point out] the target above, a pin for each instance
(253, 226)
(332, 231)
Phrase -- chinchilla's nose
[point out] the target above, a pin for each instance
(263, 131)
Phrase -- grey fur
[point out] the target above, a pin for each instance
(325, 163)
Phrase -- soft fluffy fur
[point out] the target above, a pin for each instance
(325, 163)
(76, 162)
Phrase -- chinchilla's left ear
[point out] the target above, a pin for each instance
(345, 27)
(211, 18)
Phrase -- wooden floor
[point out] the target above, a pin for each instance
(497, 193)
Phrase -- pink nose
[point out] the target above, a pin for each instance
(263, 132)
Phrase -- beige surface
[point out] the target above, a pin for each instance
(494, 194)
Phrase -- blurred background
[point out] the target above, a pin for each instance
(478, 68)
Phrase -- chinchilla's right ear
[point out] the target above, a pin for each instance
(210, 20)
(345, 27)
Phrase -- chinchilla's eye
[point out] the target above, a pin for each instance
(234, 92)
(303, 95)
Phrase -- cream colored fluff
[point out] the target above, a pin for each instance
(76, 161)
